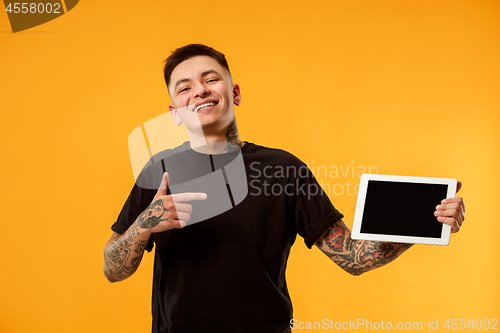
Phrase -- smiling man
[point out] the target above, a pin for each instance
(227, 273)
(203, 96)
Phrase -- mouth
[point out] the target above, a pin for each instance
(204, 107)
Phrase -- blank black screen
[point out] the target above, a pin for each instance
(402, 209)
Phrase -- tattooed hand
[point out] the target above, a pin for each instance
(123, 253)
(168, 211)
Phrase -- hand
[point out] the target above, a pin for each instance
(451, 211)
(168, 211)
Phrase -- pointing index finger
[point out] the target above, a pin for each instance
(188, 196)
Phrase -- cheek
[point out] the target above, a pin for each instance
(181, 100)
(223, 92)
(227, 99)
(185, 101)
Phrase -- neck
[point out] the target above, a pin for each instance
(217, 143)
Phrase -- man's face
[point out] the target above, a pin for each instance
(205, 86)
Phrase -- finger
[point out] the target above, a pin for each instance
(183, 216)
(452, 213)
(183, 207)
(162, 190)
(176, 220)
(455, 226)
(451, 200)
(459, 186)
(177, 224)
(458, 200)
(454, 205)
(462, 209)
(178, 210)
(188, 196)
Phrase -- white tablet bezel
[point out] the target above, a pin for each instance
(358, 214)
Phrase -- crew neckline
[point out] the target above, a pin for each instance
(186, 147)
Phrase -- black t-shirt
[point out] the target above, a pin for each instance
(227, 273)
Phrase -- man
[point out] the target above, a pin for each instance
(227, 273)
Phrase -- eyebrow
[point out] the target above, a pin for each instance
(205, 73)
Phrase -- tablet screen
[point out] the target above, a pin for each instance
(402, 209)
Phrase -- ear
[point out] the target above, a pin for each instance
(236, 94)
(173, 112)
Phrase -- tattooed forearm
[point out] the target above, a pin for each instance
(120, 261)
(152, 216)
(357, 256)
(123, 254)
(140, 246)
(233, 140)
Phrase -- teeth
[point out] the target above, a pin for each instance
(203, 106)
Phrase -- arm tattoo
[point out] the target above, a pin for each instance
(140, 246)
(119, 260)
(233, 141)
(152, 216)
(118, 253)
(357, 256)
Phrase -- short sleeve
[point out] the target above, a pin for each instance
(138, 200)
(314, 213)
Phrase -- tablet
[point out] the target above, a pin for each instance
(401, 209)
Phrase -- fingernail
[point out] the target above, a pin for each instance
(439, 207)
(203, 196)
(441, 219)
(182, 223)
(436, 213)
(443, 201)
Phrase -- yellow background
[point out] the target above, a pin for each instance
(411, 87)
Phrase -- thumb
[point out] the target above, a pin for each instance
(162, 190)
(459, 186)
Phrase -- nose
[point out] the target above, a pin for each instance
(201, 91)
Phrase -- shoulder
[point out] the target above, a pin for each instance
(168, 153)
(152, 172)
(271, 155)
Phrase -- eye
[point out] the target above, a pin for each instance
(182, 90)
(212, 80)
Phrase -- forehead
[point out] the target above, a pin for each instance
(194, 67)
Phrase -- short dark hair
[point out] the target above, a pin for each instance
(191, 50)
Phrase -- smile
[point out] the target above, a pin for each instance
(203, 106)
